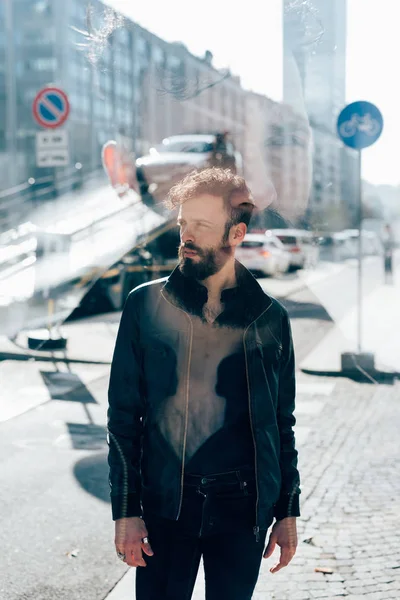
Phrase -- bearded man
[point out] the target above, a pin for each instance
(201, 399)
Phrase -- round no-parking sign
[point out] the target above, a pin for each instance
(51, 107)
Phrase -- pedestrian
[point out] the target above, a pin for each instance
(200, 422)
(388, 247)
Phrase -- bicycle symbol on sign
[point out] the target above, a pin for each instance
(365, 124)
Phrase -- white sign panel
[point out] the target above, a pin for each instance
(51, 139)
(52, 158)
(52, 149)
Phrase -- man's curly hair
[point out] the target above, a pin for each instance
(218, 182)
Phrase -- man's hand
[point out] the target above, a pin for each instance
(128, 540)
(284, 533)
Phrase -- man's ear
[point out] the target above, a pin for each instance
(118, 166)
(239, 231)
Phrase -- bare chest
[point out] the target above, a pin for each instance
(212, 309)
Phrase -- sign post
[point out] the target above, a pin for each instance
(51, 109)
(359, 125)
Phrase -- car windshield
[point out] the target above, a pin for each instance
(252, 244)
(287, 239)
(185, 146)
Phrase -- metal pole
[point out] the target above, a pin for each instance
(359, 282)
(11, 99)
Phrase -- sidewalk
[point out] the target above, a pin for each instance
(90, 340)
(88, 356)
(347, 437)
(301, 280)
(380, 333)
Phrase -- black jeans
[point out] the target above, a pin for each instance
(216, 522)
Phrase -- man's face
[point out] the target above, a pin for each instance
(205, 243)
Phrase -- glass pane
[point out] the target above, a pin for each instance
(147, 143)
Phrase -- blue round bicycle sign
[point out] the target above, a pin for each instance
(360, 124)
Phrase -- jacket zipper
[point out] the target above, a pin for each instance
(187, 401)
(256, 528)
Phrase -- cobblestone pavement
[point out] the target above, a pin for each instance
(349, 463)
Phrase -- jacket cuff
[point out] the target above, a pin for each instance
(288, 505)
(126, 506)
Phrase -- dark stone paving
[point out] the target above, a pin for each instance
(350, 469)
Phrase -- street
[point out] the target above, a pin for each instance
(56, 528)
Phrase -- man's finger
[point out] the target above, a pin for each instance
(147, 548)
(270, 547)
(285, 558)
(134, 555)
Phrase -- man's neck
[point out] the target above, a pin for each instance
(224, 279)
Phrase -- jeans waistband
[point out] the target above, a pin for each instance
(245, 474)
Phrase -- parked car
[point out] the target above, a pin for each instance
(301, 245)
(262, 254)
(370, 242)
(343, 245)
(178, 155)
(336, 246)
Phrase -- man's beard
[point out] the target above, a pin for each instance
(211, 260)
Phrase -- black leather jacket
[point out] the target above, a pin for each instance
(155, 330)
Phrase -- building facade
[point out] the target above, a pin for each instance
(315, 36)
(278, 158)
(123, 83)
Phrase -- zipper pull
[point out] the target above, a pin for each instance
(201, 493)
(256, 531)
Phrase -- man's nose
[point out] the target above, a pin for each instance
(187, 235)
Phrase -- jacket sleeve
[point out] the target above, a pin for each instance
(125, 418)
(288, 502)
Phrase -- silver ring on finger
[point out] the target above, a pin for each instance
(121, 556)
(145, 540)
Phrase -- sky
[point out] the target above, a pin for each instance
(250, 43)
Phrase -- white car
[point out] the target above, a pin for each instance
(301, 245)
(262, 254)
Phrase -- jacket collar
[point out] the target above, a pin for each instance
(188, 294)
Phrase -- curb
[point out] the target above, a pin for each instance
(47, 358)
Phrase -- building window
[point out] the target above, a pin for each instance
(276, 136)
(36, 64)
(42, 7)
(42, 64)
(29, 95)
(123, 37)
(36, 38)
(158, 57)
(175, 65)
